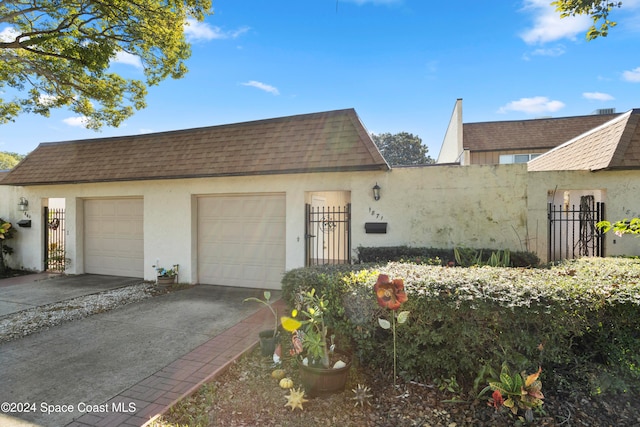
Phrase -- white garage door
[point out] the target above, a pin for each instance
(113, 237)
(241, 240)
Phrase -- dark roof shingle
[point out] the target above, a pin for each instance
(317, 142)
(613, 145)
(534, 134)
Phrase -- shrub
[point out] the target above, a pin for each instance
(445, 256)
(568, 319)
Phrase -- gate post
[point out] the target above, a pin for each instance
(45, 221)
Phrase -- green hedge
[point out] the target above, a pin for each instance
(580, 320)
(425, 255)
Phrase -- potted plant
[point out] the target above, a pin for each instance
(166, 276)
(323, 369)
(268, 337)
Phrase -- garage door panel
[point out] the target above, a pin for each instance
(113, 237)
(241, 240)
(231, 231)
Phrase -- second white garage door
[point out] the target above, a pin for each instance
(113, 237)
(241, 240)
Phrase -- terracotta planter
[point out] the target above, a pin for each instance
(268, 342)
(166, 280)
(319, 382)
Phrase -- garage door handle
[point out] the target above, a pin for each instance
(308, 236)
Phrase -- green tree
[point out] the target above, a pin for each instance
(598, 10)
(402, 149)
(8, 160)
(57, 53)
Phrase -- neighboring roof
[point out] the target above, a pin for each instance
(318, 142)
(613, 145)
(534, 134)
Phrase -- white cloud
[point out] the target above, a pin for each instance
(127, 58)
(552, 51)
(262, 86)
(632, 76)
(597, 96)
(535, 105)
(8, 34)
(78, 121)
(47, 100)
(548, 26)
(197, 30)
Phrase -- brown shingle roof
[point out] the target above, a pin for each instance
(613, 145)
(318, 142)
(534, 134)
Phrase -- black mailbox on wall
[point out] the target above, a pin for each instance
(24, 223)
(375, 227)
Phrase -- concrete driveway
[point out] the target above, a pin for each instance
(89, 361)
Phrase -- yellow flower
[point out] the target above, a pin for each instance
(290, 324)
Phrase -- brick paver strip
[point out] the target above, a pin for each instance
(154, 395)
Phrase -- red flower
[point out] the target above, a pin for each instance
(496, 400)
(390, 293)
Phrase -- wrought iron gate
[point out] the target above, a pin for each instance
(328, 235)
(54, 234)
(573, 232)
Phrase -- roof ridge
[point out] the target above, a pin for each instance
(305, 143)
(537, 119)
(204, 128)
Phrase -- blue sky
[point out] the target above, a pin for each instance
(400, 63)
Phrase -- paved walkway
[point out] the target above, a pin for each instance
(154, 395)
(138, 404)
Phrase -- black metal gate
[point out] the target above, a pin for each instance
(573, 232)
(328, 235)
(54, 234)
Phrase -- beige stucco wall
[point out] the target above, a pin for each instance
(170, 223)
(447, 206)
(442, 206)
(618, 190)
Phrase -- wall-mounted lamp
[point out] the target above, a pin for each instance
(23, 204)
(376, 192)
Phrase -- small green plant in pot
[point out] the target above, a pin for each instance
(269, 337)
(319, 374)
(166, 276)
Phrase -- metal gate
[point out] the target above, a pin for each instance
(54, 234)
(573, 232)
(328, 235)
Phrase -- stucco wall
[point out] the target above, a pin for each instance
(618, 190)
(170, 223)
(447, 206)
(498, 206)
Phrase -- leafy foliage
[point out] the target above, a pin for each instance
(402, 149)
(521, 391)
(56, 53)
(598, 10)
(6, 232)
(435, 256)
(621, 227)
(575, 318)
(8, 160)
(313, 335)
